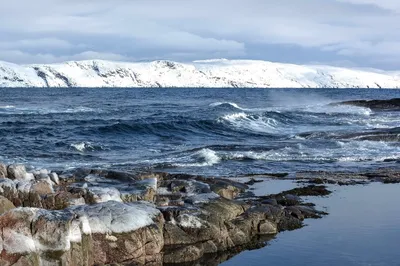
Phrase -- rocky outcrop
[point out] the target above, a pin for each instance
(86, 235)
(386, 105)
(382, 175)
(95, 217)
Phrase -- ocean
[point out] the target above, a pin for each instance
(213, 132)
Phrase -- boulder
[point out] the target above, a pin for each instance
(16, 171)
(3, 171)
(54, 178)
(42, 187)
(5, 205)
(110, 232)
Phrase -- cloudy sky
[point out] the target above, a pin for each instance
(358, 33)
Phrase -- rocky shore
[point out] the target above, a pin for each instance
(100, 217)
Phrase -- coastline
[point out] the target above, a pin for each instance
(152, 218)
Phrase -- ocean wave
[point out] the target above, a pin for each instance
(255, 123)
(227, 104)
(205, 157)
(238, 107)
(336, 151)
(86, 146)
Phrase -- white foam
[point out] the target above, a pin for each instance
(250, 122)
(343, 151)
(207, 157)
(79, 109)
(227, 103)
(83, 146)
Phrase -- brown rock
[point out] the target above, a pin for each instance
(3, 171)
(183, 254)
(42, 187)
(5, 205)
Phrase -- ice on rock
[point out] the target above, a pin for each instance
(202, 198)
(55, 230)
(103, 194)
(29, 176)
(115, 217)
(189, 221)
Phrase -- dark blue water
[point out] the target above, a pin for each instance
(221, 132)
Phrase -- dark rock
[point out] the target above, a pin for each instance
(392, 104)
(270, 175)
(311, 190)
(252, 181)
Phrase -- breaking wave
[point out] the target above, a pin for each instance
(255, 123)
(86, 146)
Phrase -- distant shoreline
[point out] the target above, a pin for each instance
(219, 73)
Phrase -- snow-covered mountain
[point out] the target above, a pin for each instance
(206, 73)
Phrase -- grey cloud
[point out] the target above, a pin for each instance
(54, 30)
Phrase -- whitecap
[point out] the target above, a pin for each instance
(207, 157)
(85, 146)
(7, 106)
(227, 103)
(250, 122)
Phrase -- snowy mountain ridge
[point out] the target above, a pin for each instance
(203, 73)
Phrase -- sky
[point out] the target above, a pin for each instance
(351, 33)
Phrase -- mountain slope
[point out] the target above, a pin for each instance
(207, 73)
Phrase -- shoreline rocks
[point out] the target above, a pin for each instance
(99, 217)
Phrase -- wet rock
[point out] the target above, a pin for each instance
(387, 105)
(271, 201)
(310, 190)
(252, 181)
(384, 176)
(270, 175)
(183, 254)
(288, 199)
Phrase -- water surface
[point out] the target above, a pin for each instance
(222, 132)
(362, 229)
